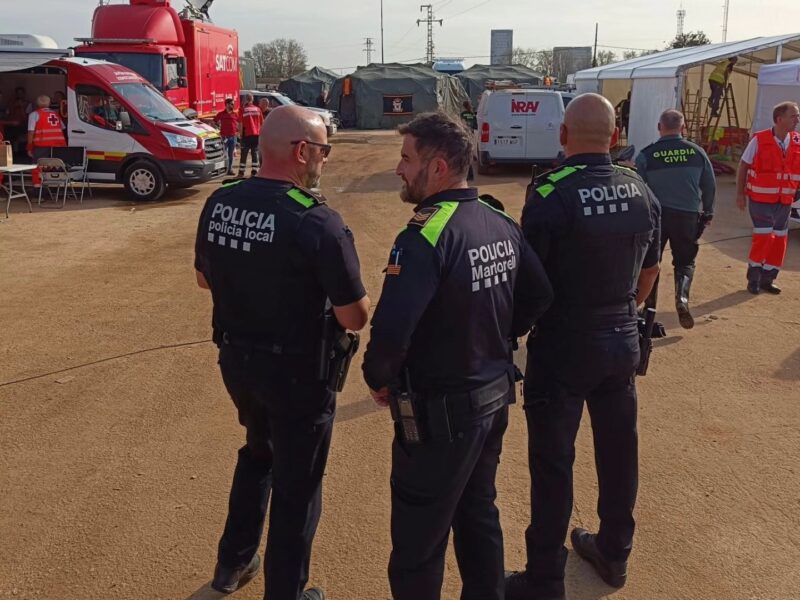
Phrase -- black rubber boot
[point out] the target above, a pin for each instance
(683, 283)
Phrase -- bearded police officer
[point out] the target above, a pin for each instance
(595, 227)
(460, 284)
(272, 252)
(681, 176)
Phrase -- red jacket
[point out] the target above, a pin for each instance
(252, 120)
(774, 176)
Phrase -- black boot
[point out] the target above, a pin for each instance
(683, 283)
(613, 572)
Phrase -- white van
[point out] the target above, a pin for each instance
(520, 126)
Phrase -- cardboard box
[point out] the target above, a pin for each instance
(6, 155)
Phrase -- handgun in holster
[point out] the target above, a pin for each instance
(649, 328)
(406, 410)
(336, 350)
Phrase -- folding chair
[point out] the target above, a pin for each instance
(54, 174)
(77, 163)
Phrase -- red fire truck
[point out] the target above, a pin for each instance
(194, 63)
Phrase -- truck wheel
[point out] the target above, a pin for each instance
(143, 181)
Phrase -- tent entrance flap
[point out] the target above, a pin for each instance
(649, 98)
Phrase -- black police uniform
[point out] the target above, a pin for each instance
(682, 177)
(272, 253)
(460, 283)
(594, 226)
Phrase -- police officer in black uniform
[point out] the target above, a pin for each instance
(272, 253)
(595, 227)
(461, 283)
(681, 176)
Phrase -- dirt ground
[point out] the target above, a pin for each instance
(117, 439)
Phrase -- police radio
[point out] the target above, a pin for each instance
(405, 408)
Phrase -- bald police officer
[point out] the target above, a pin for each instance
(681, 176)
(595, 227)
(460, 284)
(271, 252)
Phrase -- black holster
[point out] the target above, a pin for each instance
(441, 416)
(336, 350)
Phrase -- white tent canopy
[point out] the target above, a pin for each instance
(678, 79)
(776, 83)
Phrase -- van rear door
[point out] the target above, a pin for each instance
(507, 131)
(543, 113)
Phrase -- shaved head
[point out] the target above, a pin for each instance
(671, 122)
(290, 143)
(589, 125)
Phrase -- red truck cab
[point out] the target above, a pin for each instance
(194, 63)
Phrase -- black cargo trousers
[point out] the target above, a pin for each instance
(564, 369)
(443, 484)
(288, 415)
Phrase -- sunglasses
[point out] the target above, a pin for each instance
(326, 148)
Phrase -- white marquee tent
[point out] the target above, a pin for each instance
(672, 79)
(776, 83)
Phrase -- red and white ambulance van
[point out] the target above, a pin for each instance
(132, 134)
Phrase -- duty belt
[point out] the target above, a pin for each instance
(479, 401)
(224, 338)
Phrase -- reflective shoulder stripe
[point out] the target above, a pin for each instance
(301, 198)
(505, 214)
(556, 176)
(626, 169)
(433, 229)
(232, 183)
(546, 189)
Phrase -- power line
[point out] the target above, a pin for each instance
(468, 9)
(368, 49)
(429, 20)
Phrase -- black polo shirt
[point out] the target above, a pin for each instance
(272, 253)
(460, 283)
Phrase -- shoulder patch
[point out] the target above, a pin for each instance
(423, 216)
(433, 219)
(559, 174)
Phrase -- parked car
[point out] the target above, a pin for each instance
(329, 117)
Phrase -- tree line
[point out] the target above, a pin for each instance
(279, 59)
(541, 61)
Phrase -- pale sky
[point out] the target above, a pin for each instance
(333, 32)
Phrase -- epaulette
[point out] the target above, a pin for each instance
(305, 197)
(554, 177)
(626, 170)
(496, 205)
(431, 220)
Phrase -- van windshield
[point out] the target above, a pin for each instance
(148, 66)
(149, 102)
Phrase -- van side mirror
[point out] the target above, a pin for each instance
(182, 68)
(182, 82)
(124, 119)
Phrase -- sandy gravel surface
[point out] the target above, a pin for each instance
(117, 440)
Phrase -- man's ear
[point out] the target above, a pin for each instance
(562, 134)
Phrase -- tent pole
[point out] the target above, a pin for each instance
(382, 61)
(779, 54)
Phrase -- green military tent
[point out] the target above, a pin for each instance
(474, 79)
(382, 96)
(306, 87)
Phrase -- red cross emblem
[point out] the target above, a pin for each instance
(53, 119)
